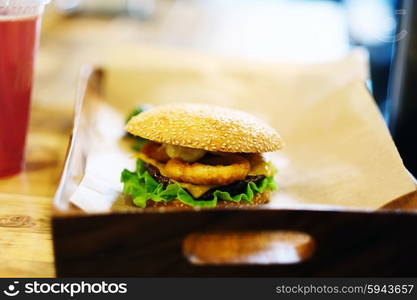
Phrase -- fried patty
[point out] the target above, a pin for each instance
(233, 189)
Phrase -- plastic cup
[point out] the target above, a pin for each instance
(19, 34)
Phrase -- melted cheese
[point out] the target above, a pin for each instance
(258, 167)
(196, 190)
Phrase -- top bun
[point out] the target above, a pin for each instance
(206, 127)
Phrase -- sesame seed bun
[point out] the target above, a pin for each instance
(210, 128)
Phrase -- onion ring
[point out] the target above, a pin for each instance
(155, 151)
(212, 170)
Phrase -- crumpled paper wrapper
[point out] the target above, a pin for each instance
(338, 153)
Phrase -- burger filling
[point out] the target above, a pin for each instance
(233, 189)
(196, 177)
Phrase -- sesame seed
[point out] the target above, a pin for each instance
(207, 127)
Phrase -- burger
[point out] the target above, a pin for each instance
(200, 156)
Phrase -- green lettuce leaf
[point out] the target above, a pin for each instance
(138, 142)
(141, 186)
(135, 112)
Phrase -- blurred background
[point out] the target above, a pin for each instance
(298, 31)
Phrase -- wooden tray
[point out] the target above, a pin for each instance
(221, 242)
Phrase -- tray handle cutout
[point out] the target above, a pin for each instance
(248, 247)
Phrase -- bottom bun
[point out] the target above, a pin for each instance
(258, 199)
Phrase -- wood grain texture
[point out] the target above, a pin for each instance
(26, 199)
(25, 236)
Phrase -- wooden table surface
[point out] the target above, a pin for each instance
(26, 199)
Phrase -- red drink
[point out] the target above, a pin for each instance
(18, 41)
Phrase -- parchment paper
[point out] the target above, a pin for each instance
(338, 152)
